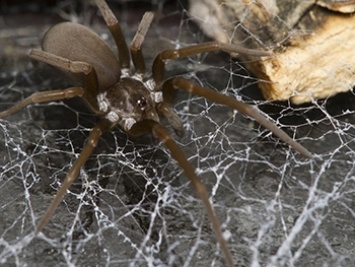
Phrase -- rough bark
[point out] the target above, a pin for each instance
(312, 43)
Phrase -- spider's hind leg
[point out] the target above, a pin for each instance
(116, 32)
(41, 97)
(136, 52)
(75, 68)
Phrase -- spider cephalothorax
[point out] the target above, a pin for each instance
(129, 101)
(120, 98)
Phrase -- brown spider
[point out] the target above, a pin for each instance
(130, 100)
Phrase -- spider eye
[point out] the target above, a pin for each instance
(142, 103)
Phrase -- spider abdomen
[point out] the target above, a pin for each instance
(79, 43)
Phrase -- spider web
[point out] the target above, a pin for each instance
(132, 205)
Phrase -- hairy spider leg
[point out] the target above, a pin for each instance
(158, 68)
(159, 131)
(180, 83)
(41, 97)
(169, 113)
(72, 175)
(136, 52)
(90, 81)
(73, 67)
(158, 76)
(116, 32)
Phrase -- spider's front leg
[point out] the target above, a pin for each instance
(159, 131)
(72, 175)
(188, 86)
(179, 83)
(169, 113)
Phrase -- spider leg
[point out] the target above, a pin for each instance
(117, 34)
(82, 69)
(158, 68)
(162, 133)
(45, 96)
(166, 109)
(90, 145)
(169, 113)
(186, 85)
(136, 52)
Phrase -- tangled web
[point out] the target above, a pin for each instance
(132, 205)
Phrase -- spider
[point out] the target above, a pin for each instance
(131, 100)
